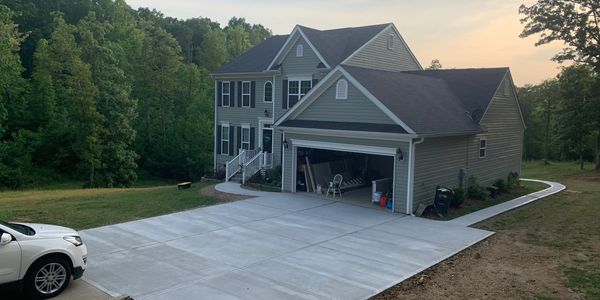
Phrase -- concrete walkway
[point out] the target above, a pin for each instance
(484, 214)
(276, 246)
(236, 189)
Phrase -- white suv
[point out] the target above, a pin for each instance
(42, 258)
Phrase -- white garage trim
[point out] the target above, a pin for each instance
(384, 151)
(345, 147)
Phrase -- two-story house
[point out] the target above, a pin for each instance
(356, 102)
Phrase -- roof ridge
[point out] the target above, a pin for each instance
(344, 28)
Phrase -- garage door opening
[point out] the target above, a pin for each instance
(362, 174)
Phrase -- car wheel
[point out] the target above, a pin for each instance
(48, 277)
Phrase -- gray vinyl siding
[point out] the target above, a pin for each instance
(296, 66)
(438, 162)
(376, 55)
(504, 140)
(401, 166)
(357, 108)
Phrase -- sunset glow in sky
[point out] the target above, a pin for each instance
(460, 33)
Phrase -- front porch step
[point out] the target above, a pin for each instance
(236, 178)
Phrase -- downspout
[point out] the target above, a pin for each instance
(411, 174)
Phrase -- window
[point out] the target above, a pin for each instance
(297, 89)
(268, 92)
(341, 89)
(245, 93)
(225, 139)
(226, 93)
(482, 148)
(245, 137)
(299, 51)
(391, 41)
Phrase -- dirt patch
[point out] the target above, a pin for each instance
(221, 197)
(498, 268)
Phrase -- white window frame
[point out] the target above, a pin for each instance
(484, 148)
(228, 94)
(299, 80)
(391, 41)
(225, 138)
(247, 94)
(341, 89)
(265, 92)
(299, 50)
(245, 127)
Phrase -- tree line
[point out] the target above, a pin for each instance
(97, 91)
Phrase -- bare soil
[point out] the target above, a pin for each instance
(498, 268)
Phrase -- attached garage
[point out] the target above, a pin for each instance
(311, 159)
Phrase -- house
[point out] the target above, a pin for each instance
(356, 101)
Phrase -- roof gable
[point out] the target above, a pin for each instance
(289, 43)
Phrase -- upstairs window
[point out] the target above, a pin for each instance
(268, 92)
(297, 89)
(341, 89)
(226, 93)
(245, 93)
(299, 51)
(391, 41)
(482, 147)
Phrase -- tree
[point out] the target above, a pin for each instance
(238, 41)
(576, 111)
(435, 65)
(548, 96)
(213, 52)
(574, 22)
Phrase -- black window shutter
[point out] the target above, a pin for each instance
(314, 82)
(219, 93)
(252, 138)
(219, 139)
(284, 97)
(239, 93)
(253, 94)
(232, 94)
(230, 142)
(239, 139)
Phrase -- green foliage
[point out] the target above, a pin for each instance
(476, 190)
(501, 185)
(512, 180)
(435, 65)
(459, 198)
(98, 92)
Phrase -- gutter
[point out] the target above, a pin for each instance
(250, 74)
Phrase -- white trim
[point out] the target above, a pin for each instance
(294, 38)
(223, 126)
(244, 126)
(282, 162)
(376, 101)
(224, 123)
(249, 94)
(215, 128)
(294, 168)
(394, 196)
(274, 100)
(261, 127)
(298, 77)
(299, 80)
(300, 50)
(484, 148)
(364, 149)
(409, 177)
(343, 93)
(349, 133)
(265, 94)
(228, 93)
(391, 41)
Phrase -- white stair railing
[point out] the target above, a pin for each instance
(252, 167)
(233, 166)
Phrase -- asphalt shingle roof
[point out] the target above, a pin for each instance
(334, 45)
(257, 59)
(433, 102)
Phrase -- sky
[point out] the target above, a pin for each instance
(460, 33)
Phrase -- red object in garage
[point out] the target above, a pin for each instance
(383, 201)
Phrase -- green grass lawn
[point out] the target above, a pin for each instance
(86, 208)
(568, 223)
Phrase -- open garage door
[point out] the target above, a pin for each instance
(365, 170)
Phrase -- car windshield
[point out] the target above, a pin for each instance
(26, 230)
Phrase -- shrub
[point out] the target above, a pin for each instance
(459, 198)
(476, 190)
(512, 180)
(501, 185)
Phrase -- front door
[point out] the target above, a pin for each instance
(267, 140)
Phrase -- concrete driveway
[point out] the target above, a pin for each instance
(279, 246)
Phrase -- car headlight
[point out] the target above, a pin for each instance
(73, 239)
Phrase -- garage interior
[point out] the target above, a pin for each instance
(362, 174)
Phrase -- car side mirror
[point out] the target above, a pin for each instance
(5, 239)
